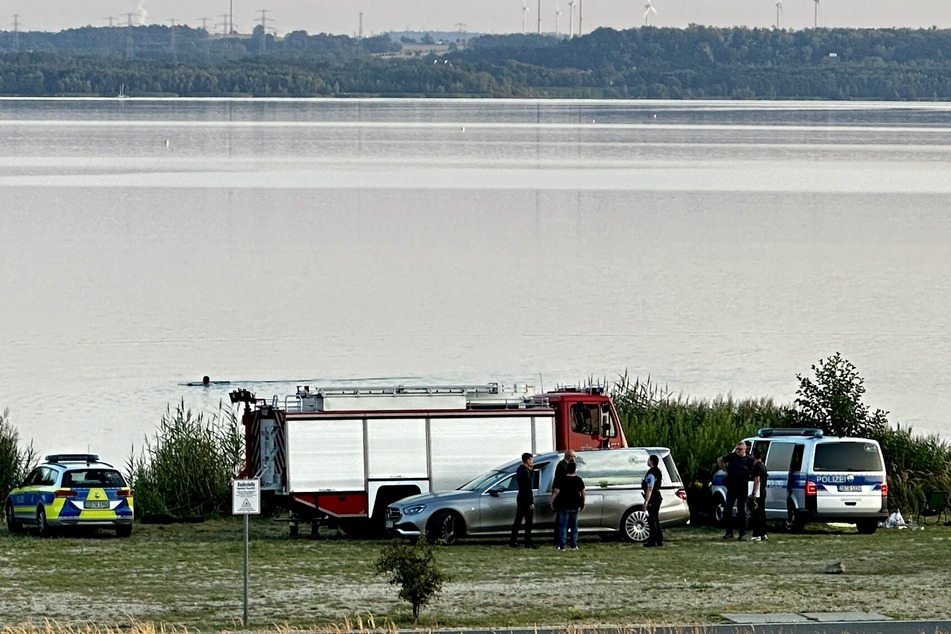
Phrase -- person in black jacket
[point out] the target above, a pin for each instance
(525, 502)
(738, 466)
(560, 471)
(758, 498)
(650, 485)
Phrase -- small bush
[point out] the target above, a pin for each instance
(413, 568)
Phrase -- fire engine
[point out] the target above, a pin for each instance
(337, 456)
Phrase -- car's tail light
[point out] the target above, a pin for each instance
(124, 493)
(65, 493)
(681, 493)
(811, 488)
(884, 489)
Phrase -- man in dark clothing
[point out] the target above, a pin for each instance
(525, 502)
(737, 466)
(567, 498)
(650, 485)
(560, 470)
(758, 498)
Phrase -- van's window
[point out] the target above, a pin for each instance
(672, 474)
(612, 468)
(593, 420)
(779, 457)
(795, 464)
(848, 456)
(762, 446)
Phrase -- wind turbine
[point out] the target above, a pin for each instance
(779, 12)
(571, 19)
(557, 18)
(817, 14)
(650, 9)
(524, 14)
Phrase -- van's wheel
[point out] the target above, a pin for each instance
(718, 510)
(867, 527)
(445, 527)
(793, 522)
(13, 524)
(634, 526)
(42, 526)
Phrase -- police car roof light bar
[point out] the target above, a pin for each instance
(73, 457)
(806, 432)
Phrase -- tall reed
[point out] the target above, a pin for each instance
(15, 461)
(186, 469)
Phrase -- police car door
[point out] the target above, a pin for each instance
(778, 463)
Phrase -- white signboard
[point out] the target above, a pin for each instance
(246, 497)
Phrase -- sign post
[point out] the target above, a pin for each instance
(246, 500)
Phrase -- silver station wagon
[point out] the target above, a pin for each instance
(486, 505)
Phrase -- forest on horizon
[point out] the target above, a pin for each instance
(641, 63)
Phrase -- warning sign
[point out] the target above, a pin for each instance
(246, 498)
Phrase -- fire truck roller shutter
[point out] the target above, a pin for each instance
(325, 456)
(397, 448)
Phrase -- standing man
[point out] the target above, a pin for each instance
(758, 498)
(738, 466)
(525, 502)
(560, 470)
(650, 485)
(567, 498)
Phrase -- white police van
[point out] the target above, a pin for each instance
(815, 478)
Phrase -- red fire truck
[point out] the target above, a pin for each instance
(337, 457)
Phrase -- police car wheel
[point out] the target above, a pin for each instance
(13, 524)
(42, 526)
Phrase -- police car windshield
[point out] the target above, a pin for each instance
(848, 456)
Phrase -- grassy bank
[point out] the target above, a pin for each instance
(189, 576)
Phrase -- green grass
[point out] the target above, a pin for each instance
(190, 576)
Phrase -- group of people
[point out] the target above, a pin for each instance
(742, 469)
(568, 498)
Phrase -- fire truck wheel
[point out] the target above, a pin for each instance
(445, 527)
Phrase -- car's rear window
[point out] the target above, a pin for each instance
(848, 456)
(93, 478)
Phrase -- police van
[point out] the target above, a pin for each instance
(817, 478)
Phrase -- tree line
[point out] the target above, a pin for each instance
(693, 63)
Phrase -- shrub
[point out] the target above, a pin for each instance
(413, 568)
(15, 461)
(186, 470)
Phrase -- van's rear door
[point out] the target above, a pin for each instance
(849, 476)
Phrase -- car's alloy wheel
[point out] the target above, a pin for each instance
(634, 526)
(445, 527)
(13, 525)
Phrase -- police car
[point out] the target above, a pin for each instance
(817, 478)
(71, 490)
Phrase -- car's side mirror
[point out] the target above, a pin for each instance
(495, 492)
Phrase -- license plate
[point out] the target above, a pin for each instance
(389, 523)
(850, 488)
(96, 504)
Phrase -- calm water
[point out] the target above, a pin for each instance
(716, 247)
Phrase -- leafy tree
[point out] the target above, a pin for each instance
(833, 402)
(413, 568)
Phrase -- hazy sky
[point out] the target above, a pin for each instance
(488, 16)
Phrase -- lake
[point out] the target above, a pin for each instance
(714, 247)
